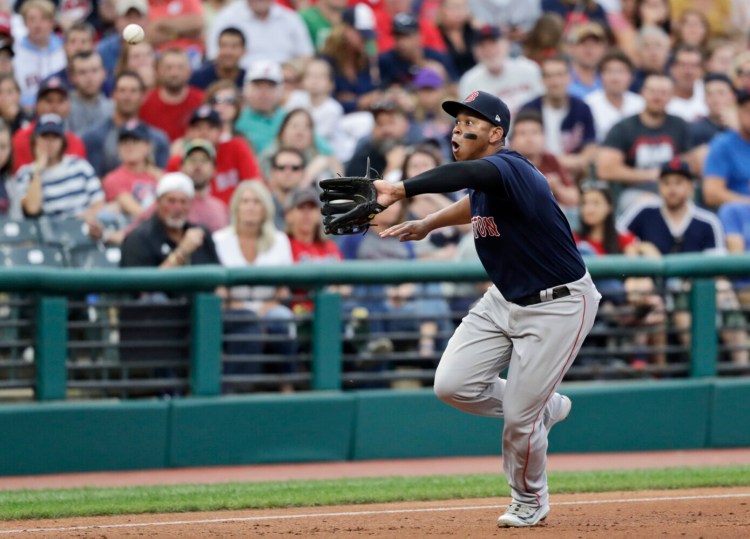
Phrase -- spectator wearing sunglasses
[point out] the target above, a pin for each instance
(286, 176)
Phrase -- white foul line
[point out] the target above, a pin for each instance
(361, 513)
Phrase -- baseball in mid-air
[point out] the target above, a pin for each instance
(133, 34)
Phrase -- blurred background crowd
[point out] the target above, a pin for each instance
(204, 143)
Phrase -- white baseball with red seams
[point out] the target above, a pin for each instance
(133, 34)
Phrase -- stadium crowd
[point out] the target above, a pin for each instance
(205, 142)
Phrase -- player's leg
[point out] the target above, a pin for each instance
(546, 340)
(467, 376)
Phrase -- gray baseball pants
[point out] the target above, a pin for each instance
(537, 344)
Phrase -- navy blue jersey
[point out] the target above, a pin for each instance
(700, 230)
(522, 237)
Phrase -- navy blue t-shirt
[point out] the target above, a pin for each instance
(522, 237)
(700, 231)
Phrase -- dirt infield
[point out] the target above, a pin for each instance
(705, 513)
(696, 513)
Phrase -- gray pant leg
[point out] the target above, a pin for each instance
(546, 339)
(467, 376)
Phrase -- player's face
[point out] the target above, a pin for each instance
(675, 190)
(465, 149)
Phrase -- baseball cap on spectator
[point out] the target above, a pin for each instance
(175, 181)
(205, 113)
(427, 78)
(361, 18)
(405, 24)
(49, 124)
(586, 30)
(134, 129)
(489, 106)
(52, 84)
(718, 77)
(199, 144)
(676, 166)
(7, 45)
(303, 196)
(486, 32)
(264, 70)
(123, 6)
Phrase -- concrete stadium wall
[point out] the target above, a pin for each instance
(329, 426)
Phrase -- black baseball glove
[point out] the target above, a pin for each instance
(349, 204)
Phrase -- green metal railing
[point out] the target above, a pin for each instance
(51, 286)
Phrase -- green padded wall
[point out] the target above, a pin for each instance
(730, 420)
(637, 416)
(412, 424)
(79, 437)
(261, 429)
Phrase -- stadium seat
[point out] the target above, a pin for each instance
(24, 232)
(94, 257)
(68, 233)
(11, 256)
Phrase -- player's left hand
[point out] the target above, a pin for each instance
(407, 231)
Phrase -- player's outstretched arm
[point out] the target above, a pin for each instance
(458, 213)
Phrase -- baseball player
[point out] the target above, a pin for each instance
(537, 314)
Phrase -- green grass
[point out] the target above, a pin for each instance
(25, 504)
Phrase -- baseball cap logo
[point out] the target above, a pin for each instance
(497, 118)
(471, 97)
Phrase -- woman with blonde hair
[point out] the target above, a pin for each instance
(251, 239)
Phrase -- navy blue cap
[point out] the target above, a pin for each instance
(405, 24)
(714, 77)
(207, 113)
(676, 166)
(134, 129)
(52, 84)
(486, 32)
(49, 124)
(488, 106)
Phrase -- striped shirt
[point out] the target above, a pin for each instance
(68, 188)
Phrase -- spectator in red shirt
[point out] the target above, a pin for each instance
(176, 24)
(309, 244)
(131, 187)
(235, 161)
(170, 105)
(304, 229)
(52, 98)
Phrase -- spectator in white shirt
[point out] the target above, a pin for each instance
(274, 32)
(688, 101)
(613, 102)
(40, 53)
(514, 80)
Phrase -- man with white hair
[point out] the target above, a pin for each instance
(167, 239)
(653, 46)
